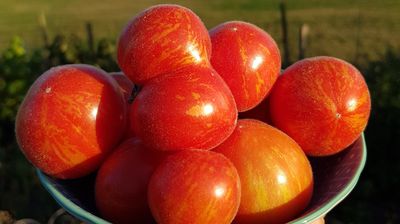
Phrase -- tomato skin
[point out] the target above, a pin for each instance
(194, 186)
(161, 39)
(275, 174)
(323, 103)
(70, 119)
(187, 109)
(121, 183)
(247, 58)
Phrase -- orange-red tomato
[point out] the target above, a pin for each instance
(161, 39)
(323, 103)
(275, 174)
(247, 58)
(121, 183)
(70, 119)
(187, 109)
(194, 186)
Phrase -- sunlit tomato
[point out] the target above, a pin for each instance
(275, 174)
(323, 103)
(161, 39)
(247, 58)
(187, 109)
(194, 186)
(121, 183)
(70, 119)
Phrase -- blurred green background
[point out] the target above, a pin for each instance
(35, 35)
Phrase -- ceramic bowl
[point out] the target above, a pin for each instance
(334, 178)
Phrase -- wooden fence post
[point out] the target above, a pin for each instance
(303, 40)
(43, 29)
(358, 41)
(90, 38)
(285, 39)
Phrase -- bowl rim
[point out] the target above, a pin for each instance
(322, 211)
(67, 204)
(86, 216)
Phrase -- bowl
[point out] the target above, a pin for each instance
(334, 178)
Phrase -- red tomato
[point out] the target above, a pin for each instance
(247, 58)
(275, 174)
(161, 39)
(70, 119)
(125, 84)
(187, 109)
(121, 183)
(323, 103)
(194, 186)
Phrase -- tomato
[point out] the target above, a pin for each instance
(187, 109)
(121, 183)
(161, 39)
(70, 119)
(194, 186)
(275, 174)
(323, 103)
(247, 58)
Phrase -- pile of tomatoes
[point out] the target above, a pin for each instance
(181, 134)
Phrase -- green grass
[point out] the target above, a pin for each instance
(340, 28)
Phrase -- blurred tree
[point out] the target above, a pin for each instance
(17, 72)
(18, 187)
